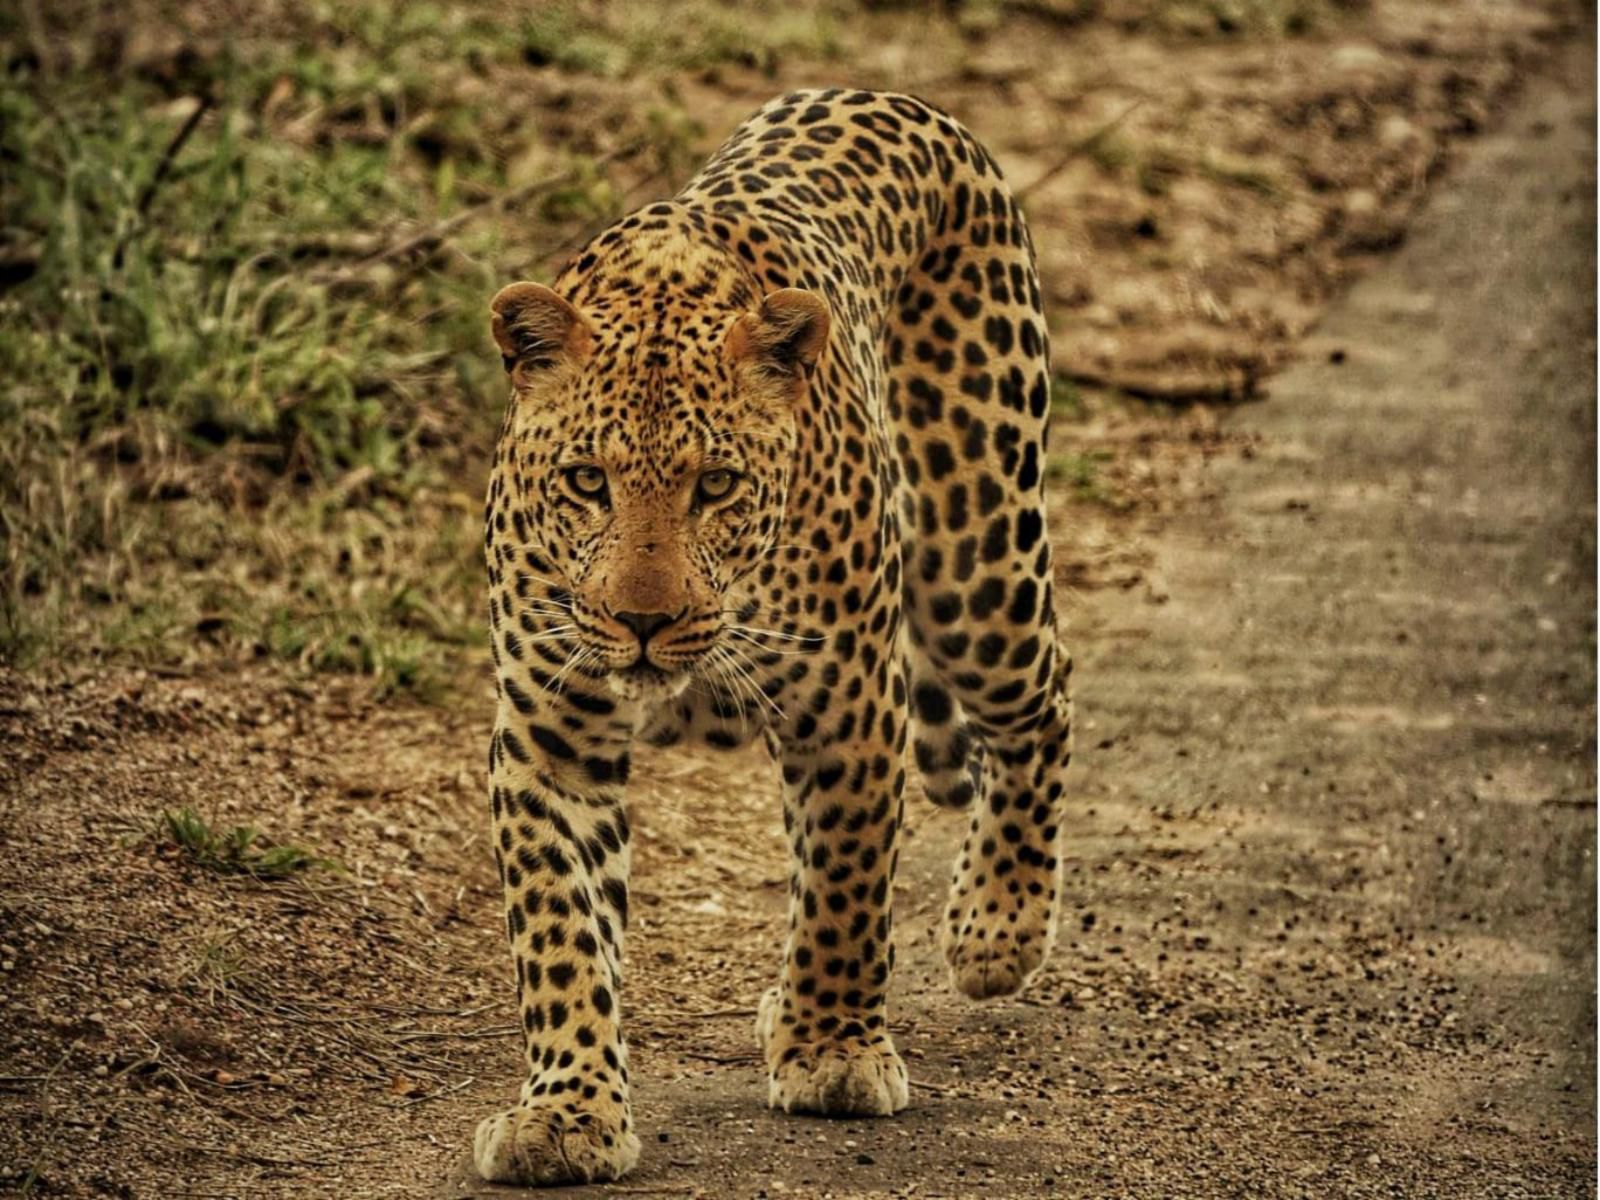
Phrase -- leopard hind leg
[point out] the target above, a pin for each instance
(968, 397)
(949, 753)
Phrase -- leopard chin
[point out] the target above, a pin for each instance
(648, 684)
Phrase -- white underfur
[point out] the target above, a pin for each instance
(659, 691)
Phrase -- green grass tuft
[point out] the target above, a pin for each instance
(1083, 476)
(235, 425)
(227, 429)
(1066, 399)
(238, 850)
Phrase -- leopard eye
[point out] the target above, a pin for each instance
(587, 481)
(714, 485)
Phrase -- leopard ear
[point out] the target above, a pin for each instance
(535, 329)
(784, 336)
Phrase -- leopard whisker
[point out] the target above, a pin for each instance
(557, 633)
(739, 632)
(722, 681)
(815, 641)
(742, 664)
(581, 655)
(538, 610)
(552, 585)
(534, 577)
(735, 687)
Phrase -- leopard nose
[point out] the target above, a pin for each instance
(646, 623)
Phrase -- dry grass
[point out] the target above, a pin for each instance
(248, 392)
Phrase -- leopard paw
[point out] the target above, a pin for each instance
(851, 1077)
(840, 1079)
(544, 1146)
(994, 947)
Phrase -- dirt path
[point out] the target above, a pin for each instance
(1330, 913)
(1330, 922)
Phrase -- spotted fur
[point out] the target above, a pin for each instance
(773, 466)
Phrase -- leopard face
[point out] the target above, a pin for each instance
(649, 463)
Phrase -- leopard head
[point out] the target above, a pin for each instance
(643, 466)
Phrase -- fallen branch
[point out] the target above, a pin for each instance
(413, 1010)
(147, 197)
(464, 1035)
(259, 1160)
(723, 1060)
(427, 240)
(564, 249)
(1078, 148)
(435, 1095)
(1171, 392)
(714, 1014)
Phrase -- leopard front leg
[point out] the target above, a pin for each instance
(562, 846)
(824, 1028)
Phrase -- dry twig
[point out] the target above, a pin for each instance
(1241, 385)
(1078, 148)
(437, 1094)
(427, 240)
(203, 104)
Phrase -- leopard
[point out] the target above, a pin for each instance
(772, 472)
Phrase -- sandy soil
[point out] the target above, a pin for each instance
(1330, 927)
